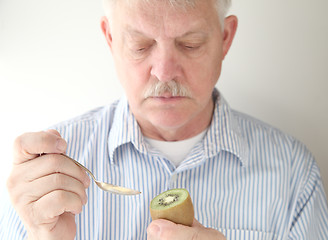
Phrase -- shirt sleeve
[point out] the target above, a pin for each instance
(11, 226)
(309, 211)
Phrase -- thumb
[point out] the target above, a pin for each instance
(207, 233)
(164, 229)
(30, 145)
(53, 131)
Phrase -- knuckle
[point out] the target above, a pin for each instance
(43, 140)
(18, 145)
(16, 186)
(10, 183)
(60, 197)
(55, 162)
(68, 201)
(53, 131)
(59, 180)
(43, 135)
(195, 236)
(78, 208)
(23, 143)
(18, 142)
(14, 197)
(17, 191)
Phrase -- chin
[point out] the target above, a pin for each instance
(168, 120)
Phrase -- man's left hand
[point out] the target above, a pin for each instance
(163, 230)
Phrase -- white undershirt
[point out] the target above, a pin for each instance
(176, 151)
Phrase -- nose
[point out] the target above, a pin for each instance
(165, 65)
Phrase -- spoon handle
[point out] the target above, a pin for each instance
(80, 165)
(106, 186)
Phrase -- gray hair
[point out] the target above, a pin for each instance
(222, 6)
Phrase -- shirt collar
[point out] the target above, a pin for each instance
(223, 134)
(124, 129)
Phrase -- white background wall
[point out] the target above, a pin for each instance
(55, 64)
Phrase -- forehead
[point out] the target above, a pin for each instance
(166, 4)
(159, 17)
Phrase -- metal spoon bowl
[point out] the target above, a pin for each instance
(106, 186)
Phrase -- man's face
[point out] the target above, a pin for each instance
(156, 44)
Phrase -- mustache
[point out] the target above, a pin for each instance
(174, 88)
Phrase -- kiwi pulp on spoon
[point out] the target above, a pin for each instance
(174, 205)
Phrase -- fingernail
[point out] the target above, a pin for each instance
(61, 145)
(154, 230)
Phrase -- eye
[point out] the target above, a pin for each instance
(141, 49)
(191, 47)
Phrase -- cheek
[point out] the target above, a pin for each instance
(203, 75)
(207, 67)
(131, 74)
(134, 79)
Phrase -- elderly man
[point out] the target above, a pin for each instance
(172, 129)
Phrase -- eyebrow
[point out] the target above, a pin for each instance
(197, 34)
(133, 32)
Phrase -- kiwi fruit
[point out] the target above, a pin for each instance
(174, 205)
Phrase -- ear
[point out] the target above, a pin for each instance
(104, 23)
(229, 31)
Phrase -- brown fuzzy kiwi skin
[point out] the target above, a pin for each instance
(180, 214)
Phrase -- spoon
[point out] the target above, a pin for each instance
(106, 186)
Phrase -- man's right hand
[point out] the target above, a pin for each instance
(45, 188)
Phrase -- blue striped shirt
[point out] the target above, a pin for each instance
(246, 179)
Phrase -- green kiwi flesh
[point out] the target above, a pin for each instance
(174, 205)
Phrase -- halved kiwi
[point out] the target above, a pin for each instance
(174, 205)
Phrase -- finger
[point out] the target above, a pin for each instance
(43, 186)
(53, 131)
(48, 208)
(30, 145)
(46, 165)
(164, 229)
(196, 223)
(64, 228)
(208, 233)
(27, 193)
(23, 174)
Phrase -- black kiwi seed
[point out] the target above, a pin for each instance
(162, 202)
